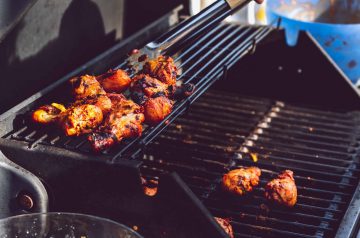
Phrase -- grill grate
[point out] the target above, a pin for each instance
(224, 130)
(201, 62)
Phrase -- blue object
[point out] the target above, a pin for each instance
(335, 24)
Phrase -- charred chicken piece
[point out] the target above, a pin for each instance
(101, 101)
(114, 81)
(48, 113)
(282, 190)
(156, 109)
(150, 186)
(225, 224)
(81, 119)
(124, 121)
(151, 87)
(163, 68)
(183, 91)
(240, 181)
(86, 86)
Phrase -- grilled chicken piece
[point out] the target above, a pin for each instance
(48, 113)
(163, 68)
(225, 224)
(81, 119)
(282, 190)
(241, 181)
(124, 121)
(78, 119)
(150, 186)
(151, 87)
(101, 101)
(86, 86)
(114, 81)
(183, 91)
(156, 109)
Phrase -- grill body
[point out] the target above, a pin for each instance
(276, 113)
(261, 101)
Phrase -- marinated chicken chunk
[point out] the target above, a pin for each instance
(163, 68)
(114, 81)
(240, 181)
(225, 224)
(156, 109)
(86, 86)
(183, 91)
(78, 119)
(282, 190)
(48, 114)
(150, 186)
(151, 87)
(124, 121)
(81, 119)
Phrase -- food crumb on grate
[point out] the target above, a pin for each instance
(189, 140)
(264, 208)
(261, 218)
(254, 157)
(179, 127)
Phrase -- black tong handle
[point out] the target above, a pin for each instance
(211, 15)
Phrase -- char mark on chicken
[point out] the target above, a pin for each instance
(149, 86)
(101, 101)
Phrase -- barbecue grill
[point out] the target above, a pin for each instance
(275, 109)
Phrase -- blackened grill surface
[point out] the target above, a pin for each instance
(200, 62)
(223, 131)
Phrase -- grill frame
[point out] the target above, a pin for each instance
(19, 150)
